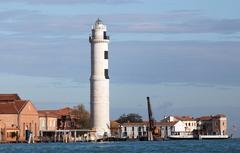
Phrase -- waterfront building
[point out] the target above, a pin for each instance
(17, 118)
(62, 125)
(137, 130)
(170, 128)
(133, 130)
(175, 127)
(115, 129)
(190, 122)
(219, 124)
(204, 125)
(47, 120)
(59, 119)
(212, 125)
(99, 80)
(65, 119)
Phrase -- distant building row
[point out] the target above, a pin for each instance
(19, 117)
(180, 126)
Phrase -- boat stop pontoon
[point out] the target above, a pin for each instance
(73, 135)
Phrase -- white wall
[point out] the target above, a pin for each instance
(179, 127)
(130, 132)
(190, 125)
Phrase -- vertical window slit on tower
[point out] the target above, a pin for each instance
(105, 35)
(106, 73)
(105, 54)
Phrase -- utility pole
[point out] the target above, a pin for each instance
(151, 121)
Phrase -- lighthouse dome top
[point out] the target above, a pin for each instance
(98, 21)
(99, 24)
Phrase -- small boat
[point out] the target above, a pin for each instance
(181, 137)
(213, 137)
(200, 137)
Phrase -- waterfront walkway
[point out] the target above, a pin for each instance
(73, 135)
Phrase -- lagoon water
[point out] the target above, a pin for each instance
(180, 146)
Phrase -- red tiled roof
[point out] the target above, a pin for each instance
(208, 118)
(147, 123)
(44, 113)
(9, 97)
(204, 118)
(135, 123)
(184, 118)
(114, 124)
(12, 107)
(219, 115)
(65, 111)
(165, 123)
(59, 112)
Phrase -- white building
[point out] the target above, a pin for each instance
(137, 130)
(189, 122)
(99, 80)
(133, 130)
(170, 128)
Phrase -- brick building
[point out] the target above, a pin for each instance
(17, 116)
(60, 119)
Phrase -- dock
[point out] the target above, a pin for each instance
(73, 135)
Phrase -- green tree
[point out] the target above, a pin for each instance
(81, 116)
(131, 117)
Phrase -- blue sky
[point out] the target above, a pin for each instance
(183, 54)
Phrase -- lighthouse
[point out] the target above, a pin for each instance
(99, 80)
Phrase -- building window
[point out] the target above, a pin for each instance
(139, 134)
(106, 73)
(189, 124)
(42, 123)
(125, 129)
(132, 128)
(105, 54)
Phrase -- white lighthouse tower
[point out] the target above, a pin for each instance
(99, 80)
